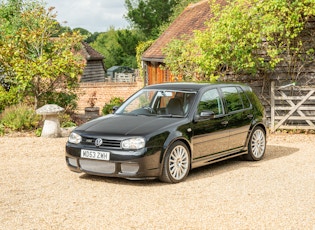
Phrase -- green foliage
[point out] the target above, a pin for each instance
(149, 15)
(8, 98)
(66, 120)
(118, 46)
(19, 118)
(66, 100)
(181, 56)
(38, 132)
(2, 130)
(33, 61)
(141, 48)
(108, 107)
(247, 37)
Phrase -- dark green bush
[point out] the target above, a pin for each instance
(68, 101)
(108, 107)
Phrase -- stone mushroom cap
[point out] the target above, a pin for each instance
(49, 109)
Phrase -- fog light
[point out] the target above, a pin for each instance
(72, 162)
(129, 168)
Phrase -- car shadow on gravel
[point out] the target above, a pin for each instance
(212, 170)
(122, 181)
(272, 152)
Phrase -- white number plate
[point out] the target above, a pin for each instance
(97, 155)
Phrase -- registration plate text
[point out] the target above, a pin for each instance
(97, 155)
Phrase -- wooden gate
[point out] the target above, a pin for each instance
(292, 107)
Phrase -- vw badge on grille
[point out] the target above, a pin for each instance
(98, 142)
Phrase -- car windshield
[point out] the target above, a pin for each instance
(166, 103)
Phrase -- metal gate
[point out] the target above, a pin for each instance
(292, 107)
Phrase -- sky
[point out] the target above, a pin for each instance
(92, 15)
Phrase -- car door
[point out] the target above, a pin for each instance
(209, 134)
(239, 115)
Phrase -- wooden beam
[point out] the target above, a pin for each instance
(294, 109)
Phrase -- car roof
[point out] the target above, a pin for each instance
(191, 86)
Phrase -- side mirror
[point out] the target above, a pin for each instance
(207, 114)
(204, 115)
(115, 108)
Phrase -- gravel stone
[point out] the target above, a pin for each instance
(39, 192)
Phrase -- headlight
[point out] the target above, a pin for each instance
(75, 138)
(133, 143)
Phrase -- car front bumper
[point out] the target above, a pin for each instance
(131, 165)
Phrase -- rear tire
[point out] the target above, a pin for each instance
(176, 164)
(256, 145)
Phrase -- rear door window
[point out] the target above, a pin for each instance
(211, 101)
(233, 98)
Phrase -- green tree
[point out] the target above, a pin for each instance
(34, 62)
(118, 47)
(149, 15)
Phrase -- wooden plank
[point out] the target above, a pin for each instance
(295, 127)
(311, 108)
(292, 98)
(298, 111)
(296, 118)
(272, 106)
(293, 109)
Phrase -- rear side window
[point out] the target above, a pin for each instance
(233, 98)
(244, 97)
(211, 101)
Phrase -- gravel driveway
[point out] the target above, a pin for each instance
(37, 191)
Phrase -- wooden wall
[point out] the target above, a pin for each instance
(94, 71)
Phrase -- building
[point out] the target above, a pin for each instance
(94, 70)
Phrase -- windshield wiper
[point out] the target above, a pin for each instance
(170, 115)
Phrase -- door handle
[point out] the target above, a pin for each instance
(224, 123)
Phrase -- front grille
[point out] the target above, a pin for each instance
(94, 166)
(106, 143)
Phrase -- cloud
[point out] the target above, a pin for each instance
(93, 15)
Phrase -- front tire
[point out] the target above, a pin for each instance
(176, 163)
(256, 144)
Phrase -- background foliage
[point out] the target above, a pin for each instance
(247, 37)
(33, 61)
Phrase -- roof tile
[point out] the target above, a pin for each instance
(191, 19)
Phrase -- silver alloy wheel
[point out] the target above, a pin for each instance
(178, 162)
(258, 143)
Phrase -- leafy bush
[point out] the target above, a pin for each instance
(19, 118)
(8, 98)
(1, 129)
(115, 101)
(68, 101)
(66, 121)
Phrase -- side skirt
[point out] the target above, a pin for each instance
(216, 158)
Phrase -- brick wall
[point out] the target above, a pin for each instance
(104, 92)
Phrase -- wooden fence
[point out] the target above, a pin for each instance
(292, 107)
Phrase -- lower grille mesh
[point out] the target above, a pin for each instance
(94, 166)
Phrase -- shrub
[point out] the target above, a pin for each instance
(19, 118)
(115, 101)
(68, 101)
(8, 98)
(66, 121)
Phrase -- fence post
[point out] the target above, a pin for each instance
(272, 104)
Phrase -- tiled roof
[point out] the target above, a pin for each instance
(192, 18)
(91, 54)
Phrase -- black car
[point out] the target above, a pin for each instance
(165, 130)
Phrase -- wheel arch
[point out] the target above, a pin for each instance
(166, 148)
(261, 125)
